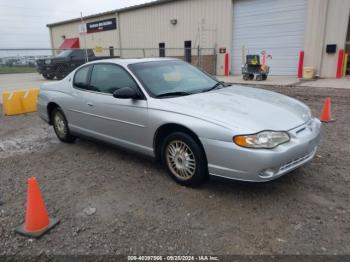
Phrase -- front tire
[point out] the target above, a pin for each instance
(48, 77)
(184, 159)
(60, 125)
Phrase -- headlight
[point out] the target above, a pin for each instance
(48, 61)
(265, 139)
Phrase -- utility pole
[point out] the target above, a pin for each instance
(84, 34)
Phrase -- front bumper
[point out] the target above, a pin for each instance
(45, 69)
(226, 159)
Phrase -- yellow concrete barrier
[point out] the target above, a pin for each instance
(30, 100)
(11, 101)
(20, 101)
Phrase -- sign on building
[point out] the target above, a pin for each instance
(103, 25)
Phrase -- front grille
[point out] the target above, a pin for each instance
(297, 161)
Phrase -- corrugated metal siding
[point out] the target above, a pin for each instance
(276, 26)
(149, 26)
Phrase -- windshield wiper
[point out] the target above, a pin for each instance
(215, 87)
(174, 94)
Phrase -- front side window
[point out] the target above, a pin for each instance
(78, 53)
(107, 78)
(81, 78)
(165, 77)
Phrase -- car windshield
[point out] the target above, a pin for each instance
(64, 53)
(173, 78)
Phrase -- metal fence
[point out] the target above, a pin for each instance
(37, 59)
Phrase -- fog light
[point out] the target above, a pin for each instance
(267, 173)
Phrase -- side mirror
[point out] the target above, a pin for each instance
(126, 93)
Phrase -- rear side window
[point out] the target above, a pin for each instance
(90, 52)
(107, 78)
(78, 53)
(81, 78)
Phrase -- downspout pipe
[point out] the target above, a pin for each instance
(119, 34)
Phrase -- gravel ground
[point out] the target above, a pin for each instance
(113, 202)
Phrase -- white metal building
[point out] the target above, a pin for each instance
(278, 28)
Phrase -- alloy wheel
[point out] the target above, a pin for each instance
(60, 125)
(180, 160)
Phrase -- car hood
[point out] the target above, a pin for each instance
(242, 107)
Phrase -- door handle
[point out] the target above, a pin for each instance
(90, 104)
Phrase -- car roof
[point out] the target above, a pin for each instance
(126, 62)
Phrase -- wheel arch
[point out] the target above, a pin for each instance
(165, 130)
(50, 107)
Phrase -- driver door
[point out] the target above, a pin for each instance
(119, 121)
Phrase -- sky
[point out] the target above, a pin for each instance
(23, 22)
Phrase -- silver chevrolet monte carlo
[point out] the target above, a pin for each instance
(195, 125)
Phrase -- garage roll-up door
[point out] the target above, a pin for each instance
(274, 26)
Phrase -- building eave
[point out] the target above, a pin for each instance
(112, 12)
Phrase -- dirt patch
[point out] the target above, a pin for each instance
(113, 202)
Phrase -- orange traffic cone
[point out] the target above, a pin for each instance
(326, 112)
(37, 221)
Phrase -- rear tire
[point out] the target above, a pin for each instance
(60, 125)
(184, 159)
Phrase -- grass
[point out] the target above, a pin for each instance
(16, 69)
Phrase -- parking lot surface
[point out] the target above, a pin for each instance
(115, 202)
(20, 81)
